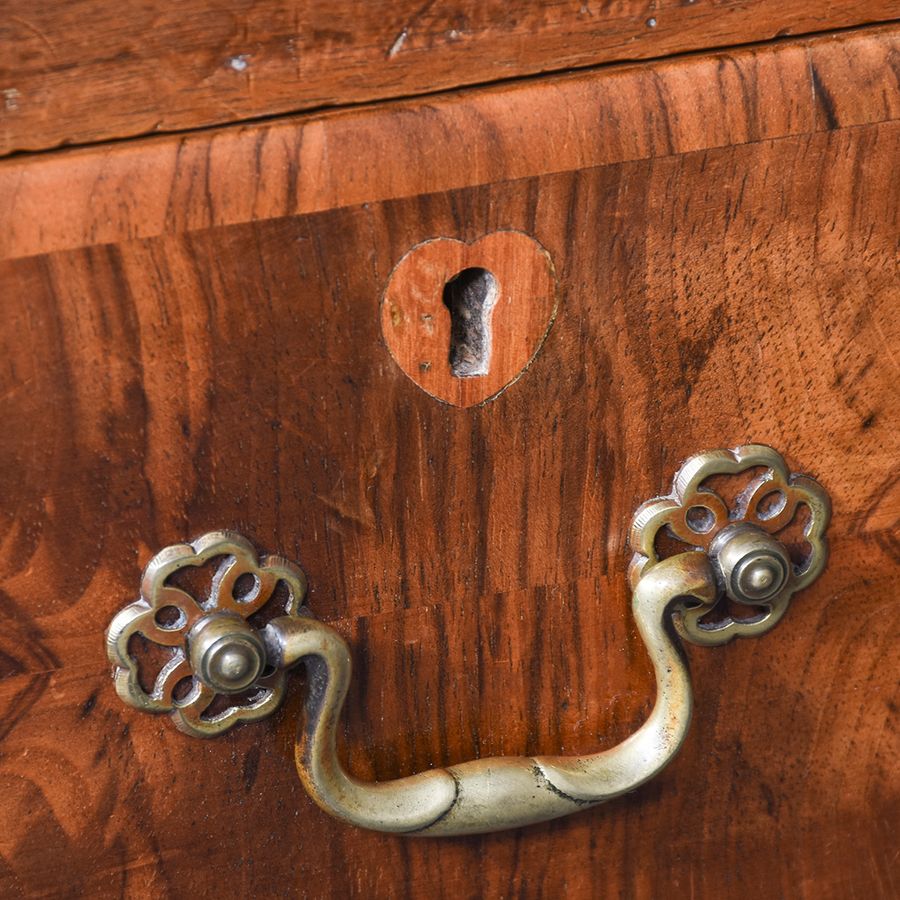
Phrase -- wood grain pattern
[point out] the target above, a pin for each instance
(417, 321)
(235, 376)
(153, 187)
(84, 71)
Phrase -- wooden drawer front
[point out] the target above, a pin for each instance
(214, 359)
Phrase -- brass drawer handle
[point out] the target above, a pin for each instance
(217, 657)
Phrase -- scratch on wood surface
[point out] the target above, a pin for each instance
(34, 30)
(397, 46)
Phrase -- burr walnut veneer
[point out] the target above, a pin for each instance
(192, 339)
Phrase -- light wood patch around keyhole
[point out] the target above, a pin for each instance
(464, 320)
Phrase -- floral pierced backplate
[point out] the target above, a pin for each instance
(166, 612)
(695, 513)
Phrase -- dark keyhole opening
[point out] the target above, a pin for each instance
(470, 296)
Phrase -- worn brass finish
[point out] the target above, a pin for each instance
(212, 647)
(696, 515)
(226, 653)
(505, 792)
(730, 553)
(754, 566)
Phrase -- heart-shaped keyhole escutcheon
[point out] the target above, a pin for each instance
(464, 321)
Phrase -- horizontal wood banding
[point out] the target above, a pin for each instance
(86, 71)
(171, 185)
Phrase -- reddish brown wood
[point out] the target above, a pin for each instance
(735, 280)
(165, 186)
(83, 71)
(416, 320)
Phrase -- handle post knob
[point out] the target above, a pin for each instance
(754, 566)
(226, 653)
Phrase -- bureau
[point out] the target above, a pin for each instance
(690, 229)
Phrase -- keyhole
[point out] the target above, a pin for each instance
(470, 296)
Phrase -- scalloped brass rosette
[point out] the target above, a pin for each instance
(216, 674)
(695, 515)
